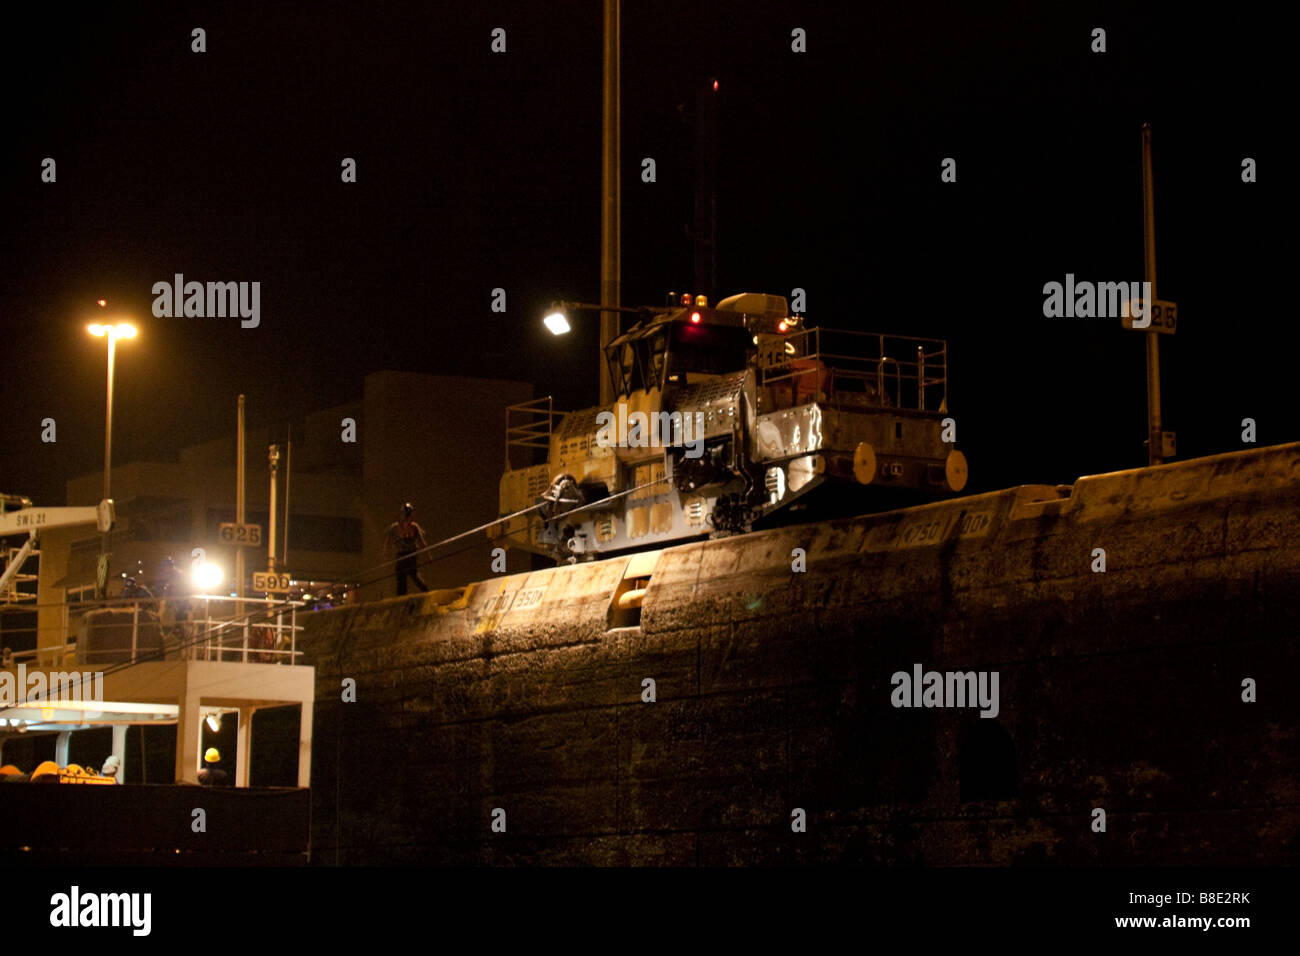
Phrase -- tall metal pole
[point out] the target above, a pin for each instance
(288, 463)
(706, 191)
(611, 268)
(101, 572)
(108, 417)
(274, 458)
(1155, 430)
(239, 499)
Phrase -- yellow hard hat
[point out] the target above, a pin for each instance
(212, 756)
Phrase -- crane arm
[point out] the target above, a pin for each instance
(35, 520)
(12, 567)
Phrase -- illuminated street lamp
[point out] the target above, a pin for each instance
(122, 330)
(557, 322)
(557, 319)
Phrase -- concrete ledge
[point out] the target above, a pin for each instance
(1119, 690)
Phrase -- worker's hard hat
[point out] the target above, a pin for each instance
(212, 756)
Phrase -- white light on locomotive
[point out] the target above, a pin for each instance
(803, 470)
(775, 483)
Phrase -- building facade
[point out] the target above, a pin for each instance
(436, 441)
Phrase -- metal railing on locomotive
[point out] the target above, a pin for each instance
(867, 363)
(861, 363)
(528, 429)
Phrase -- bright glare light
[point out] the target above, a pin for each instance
(214, 722)
(207, 576)
(557, 323)
(695, 318)
(123, 330)
(101, 302)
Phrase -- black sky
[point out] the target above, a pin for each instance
(478, 170)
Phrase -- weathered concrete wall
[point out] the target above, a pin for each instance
(1120, 690)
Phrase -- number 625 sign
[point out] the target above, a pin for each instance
(240, 535)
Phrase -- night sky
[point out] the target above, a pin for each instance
(478, 170)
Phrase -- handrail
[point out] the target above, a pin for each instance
(200, 638)
(535, 430)
(851, 356)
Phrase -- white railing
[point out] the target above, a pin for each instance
(249, 633)
(244, 630)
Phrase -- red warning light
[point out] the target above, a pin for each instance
(102, 302)
(715, 86)
(695, 318)
(782, 327)
(686, 298)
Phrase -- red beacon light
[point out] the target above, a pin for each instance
(686, 299)
(782, 327)
(695, 318)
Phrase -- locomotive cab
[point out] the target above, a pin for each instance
(682, 347)
(725, 419)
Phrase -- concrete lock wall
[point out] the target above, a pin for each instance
(1119, 690)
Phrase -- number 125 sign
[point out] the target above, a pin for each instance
(240, 535)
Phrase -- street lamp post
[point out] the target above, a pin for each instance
(122, 330)
(108, 417)
(557, 320)
(611, 267)
(1155, 430)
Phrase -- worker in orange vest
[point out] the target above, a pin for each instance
(406, 538)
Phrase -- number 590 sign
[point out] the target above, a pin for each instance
(240, 535)
(271, 582)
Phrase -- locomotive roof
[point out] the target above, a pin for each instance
(757, 312)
